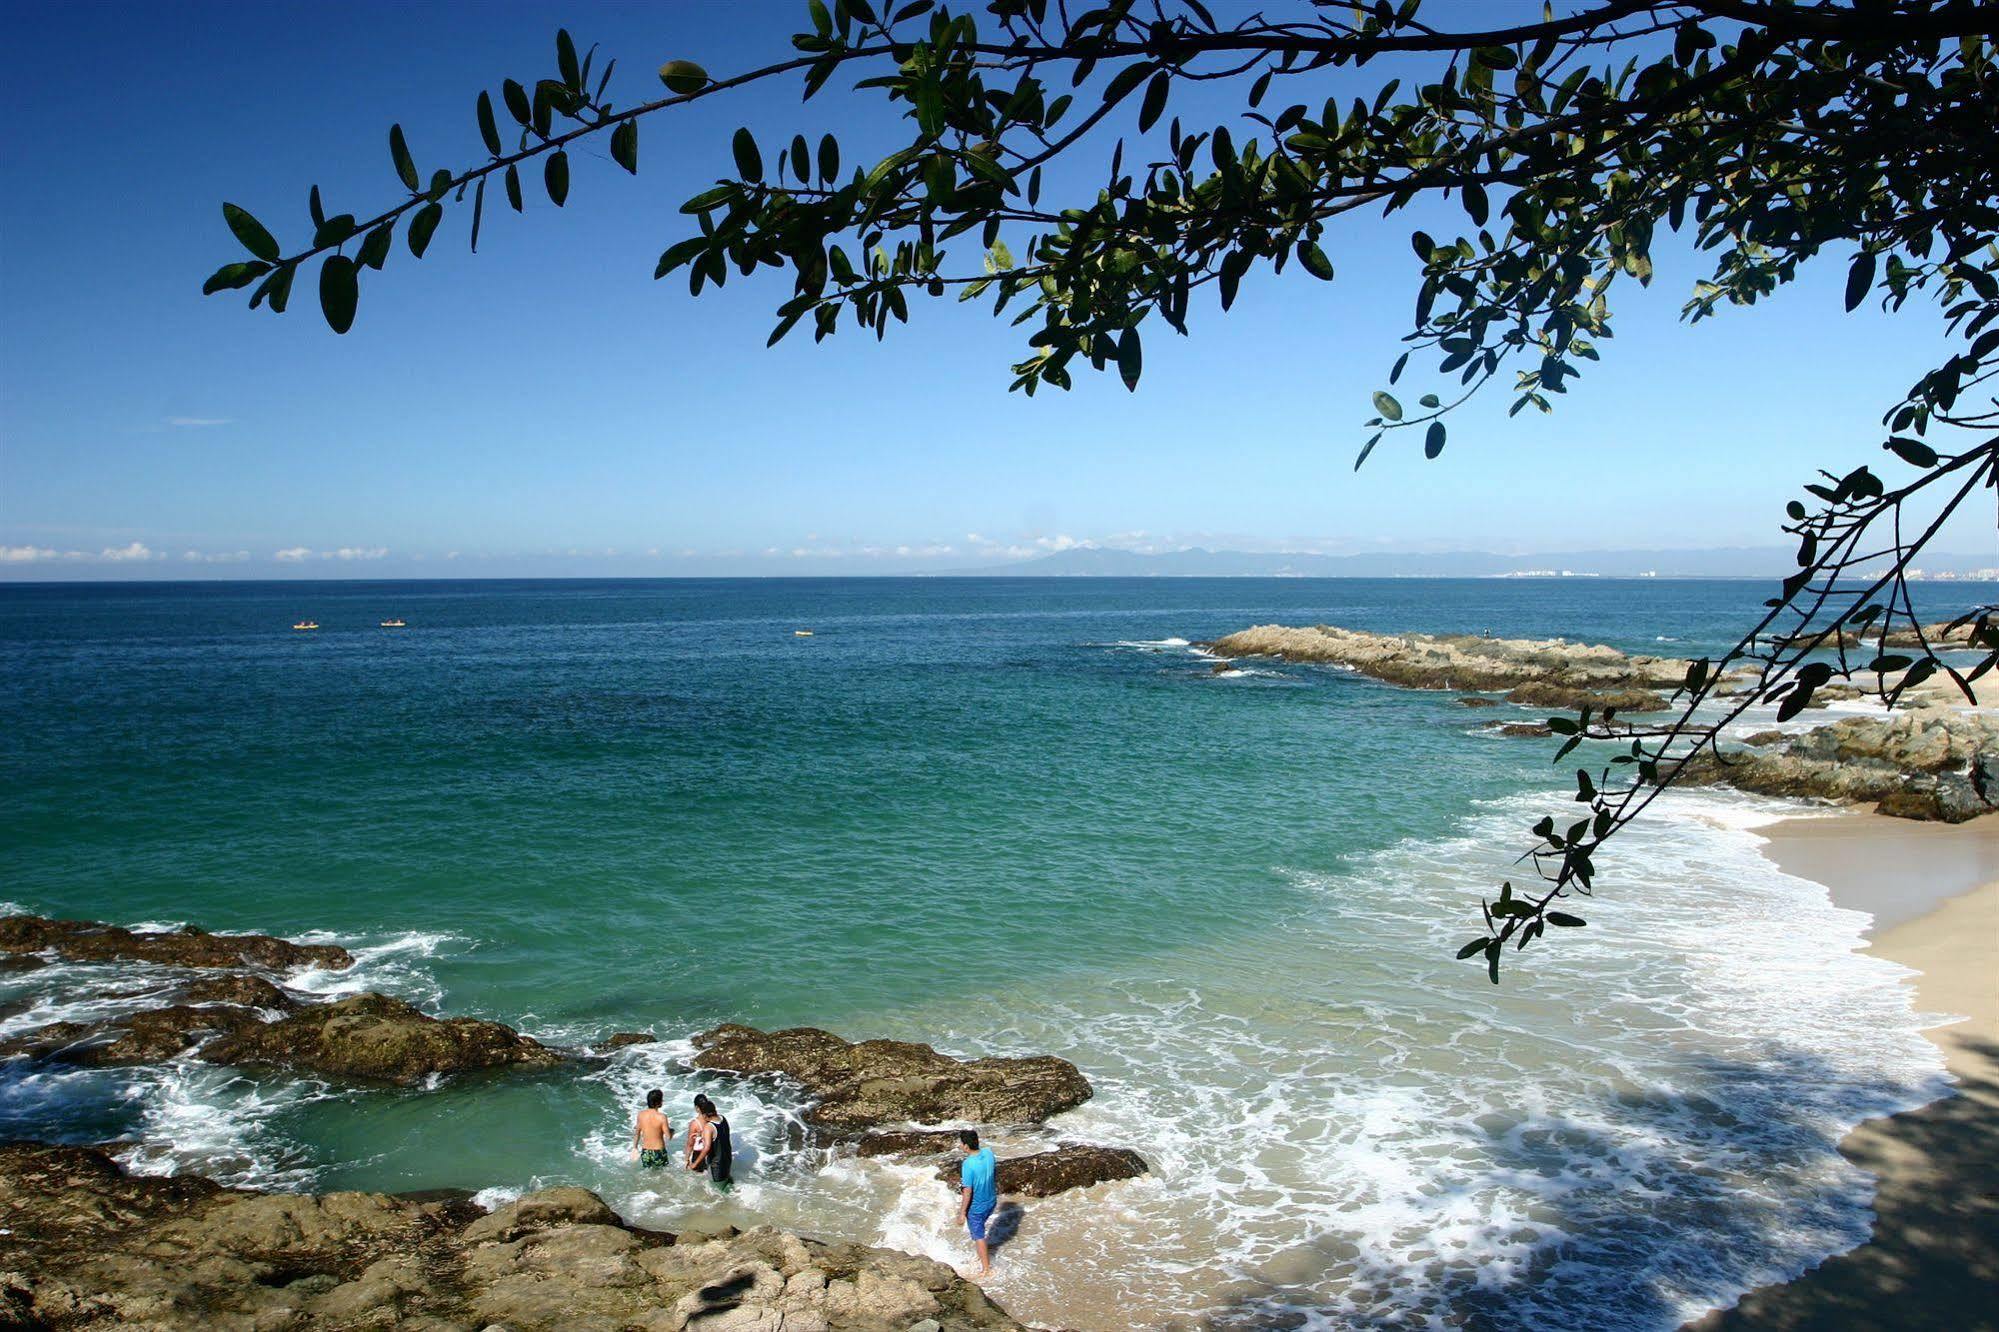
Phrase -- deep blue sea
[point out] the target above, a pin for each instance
(1001, 815)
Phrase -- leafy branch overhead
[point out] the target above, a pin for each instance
(1564, 143)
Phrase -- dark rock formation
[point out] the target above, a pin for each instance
(1551, 673)
(93, 941)
(1477, 701)
(243, 991)
(145, 1037)
(1070, 1166)
(373, 1038)
(1925, 763)
(906, 1142)
(1532, 730)
(625, 1038)
(855, 1086)
(88, 1247)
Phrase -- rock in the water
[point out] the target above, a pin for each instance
(93, 941)
(1070, 1166)
(906, 1142)
(1477, 701)
(144, 1037)
(1924, 763)
(1531, 730)
(858, 1085)
(243, 991)
(1538, 672)
(624, 1038)
(88, 1246)
(372, 1037)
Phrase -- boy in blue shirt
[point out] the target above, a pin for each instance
(979, 1194)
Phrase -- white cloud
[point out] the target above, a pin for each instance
(292, 555)
(357, 553)
(27, 554)
(136, 551)
(215, 556)
(198, 421)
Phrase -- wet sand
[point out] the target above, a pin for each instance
(1933, 1259)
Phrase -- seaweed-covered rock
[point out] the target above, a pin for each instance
(88, 1246)
(94, 941)
(859, 1085)
(1924, 763)
(243, 991)
(906, 1142)
(1073, 1165)
(1538, 672)
(374, 1038)
(620, 1040)
(144, 1037)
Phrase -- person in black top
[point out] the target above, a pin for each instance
(713, 1153)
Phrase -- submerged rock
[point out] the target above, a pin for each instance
(859, 1085)
(244, 991)
(148, 1036)
(1071, 1166)
(88, 1246)
(374, 1038)
(1537, 672)
(622, 1039)
(906, 1142)
(94, 941)
(1931, 763)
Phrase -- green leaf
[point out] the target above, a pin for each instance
(749, 162)
(514, 187)
(1433, 440)
(277, 288)
(1565, 920)
(1390, 409)
(478, 212)
(333, 231)
(565, 59)
(680, 254)
(1314, 260)
(683, 76)
(1475, 946)
(1913, 451)
(516, 98)
(423, 226)
(555, 175)
(489, 128)
(1155, 100)
(231, 276)
(625, 146)
(1366, 449)
(1859, 280)
(399, 149)
(339, 292)
(251, 232)
(374, 251)
(1130, 359)
(829, 158)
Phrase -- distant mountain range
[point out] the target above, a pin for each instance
(1726, 562)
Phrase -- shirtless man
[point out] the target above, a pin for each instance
(651, 1134)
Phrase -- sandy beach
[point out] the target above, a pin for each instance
(1933, 1259)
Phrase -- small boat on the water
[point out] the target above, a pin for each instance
(801, 633)
(306, 624)
(395, 624)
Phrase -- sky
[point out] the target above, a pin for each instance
(545, 408)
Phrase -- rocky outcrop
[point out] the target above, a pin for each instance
(860, 1085)
(1538, 672)
(1070, 1166)
(906, 1142)
(1925, 763)
(94, 941)
(88, 1246)
(374, 1038)
(146, 1037)
(620, 1040)
(243, 991)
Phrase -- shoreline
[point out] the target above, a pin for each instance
(1932, 1257)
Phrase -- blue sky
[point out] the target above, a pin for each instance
(545, 408)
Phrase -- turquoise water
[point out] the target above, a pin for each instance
(995, 814)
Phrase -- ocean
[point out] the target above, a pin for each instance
(1002, 816)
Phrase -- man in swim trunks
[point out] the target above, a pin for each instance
(651, 1134)
(978, 1178)
(709, 1149)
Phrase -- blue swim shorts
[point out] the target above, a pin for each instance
(975, 1222)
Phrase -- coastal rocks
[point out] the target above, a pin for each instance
(620, 1040)
(146, 1037)
(858, 1085)
(906, 1142)
(242, 991)
(1070, 1166)
(88, 1246)
(1926, 763)
(94, 941)
(372, 1037)
(1536, 672)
